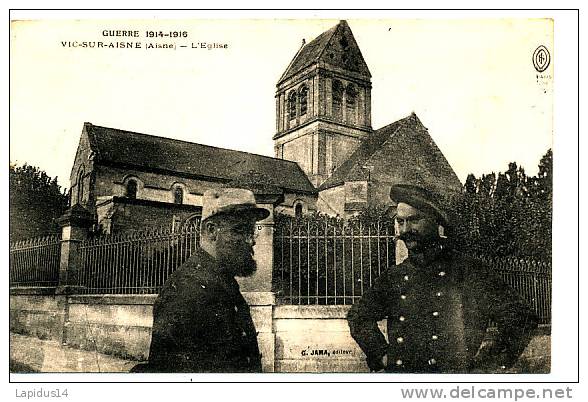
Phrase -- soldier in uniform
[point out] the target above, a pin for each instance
(438, 303)
(201, 323)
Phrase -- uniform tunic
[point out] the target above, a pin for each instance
(437, 315)
(201, 323)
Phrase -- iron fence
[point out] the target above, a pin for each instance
(316, 261)
(329, 262)
(35, 262)
(137, 263)
(322, 261)
(532, 279)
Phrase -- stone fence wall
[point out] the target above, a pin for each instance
(291, 338)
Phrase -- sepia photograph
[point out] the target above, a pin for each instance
(335, 193)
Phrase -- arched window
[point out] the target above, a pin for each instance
(337, 98)
(303, 100)
(178, 195)
(80, 183)
(132, 189)
(298, 211)
(292, 105)
(350, 103)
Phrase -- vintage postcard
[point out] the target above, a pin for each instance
(290, 193)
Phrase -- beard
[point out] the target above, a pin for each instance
(416, 242)
(412, 241)
(237, 259)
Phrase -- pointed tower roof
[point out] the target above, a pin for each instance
(336, 47)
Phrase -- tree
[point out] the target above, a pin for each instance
(470, 184)
(487, 185)
(545, 176)
(508, 214)
(35, 202)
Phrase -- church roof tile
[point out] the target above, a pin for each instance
(159, 154)
(403, 151)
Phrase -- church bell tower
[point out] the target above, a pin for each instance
(323, 104)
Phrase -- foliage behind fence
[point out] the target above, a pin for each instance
(322, 261)
(35, 262)
(531, 278)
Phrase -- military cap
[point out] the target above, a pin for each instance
(231, 201)
(419, 198)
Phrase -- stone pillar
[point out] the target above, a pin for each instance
(261, 281)
(74, 229)
(278, 113)
(401, 252)
(257, 289)
(328, 100)
(361, 109)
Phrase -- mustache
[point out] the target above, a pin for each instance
(410, 236)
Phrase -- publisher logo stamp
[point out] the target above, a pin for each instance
(541, 58)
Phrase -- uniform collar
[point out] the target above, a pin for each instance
(428, 257)
(434, 263)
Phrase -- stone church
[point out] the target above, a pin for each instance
(323, 104)
(328, 158)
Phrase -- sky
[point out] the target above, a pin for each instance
(471, 82)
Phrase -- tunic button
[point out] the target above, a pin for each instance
(399, 362)
(401, 318)
(438, 294)
(405, 277)
(400, 339)
(434, 337)
(442, 273)
(432, 361)
(435, 314)
(244, 334)
(236, 309)
(403, 297)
